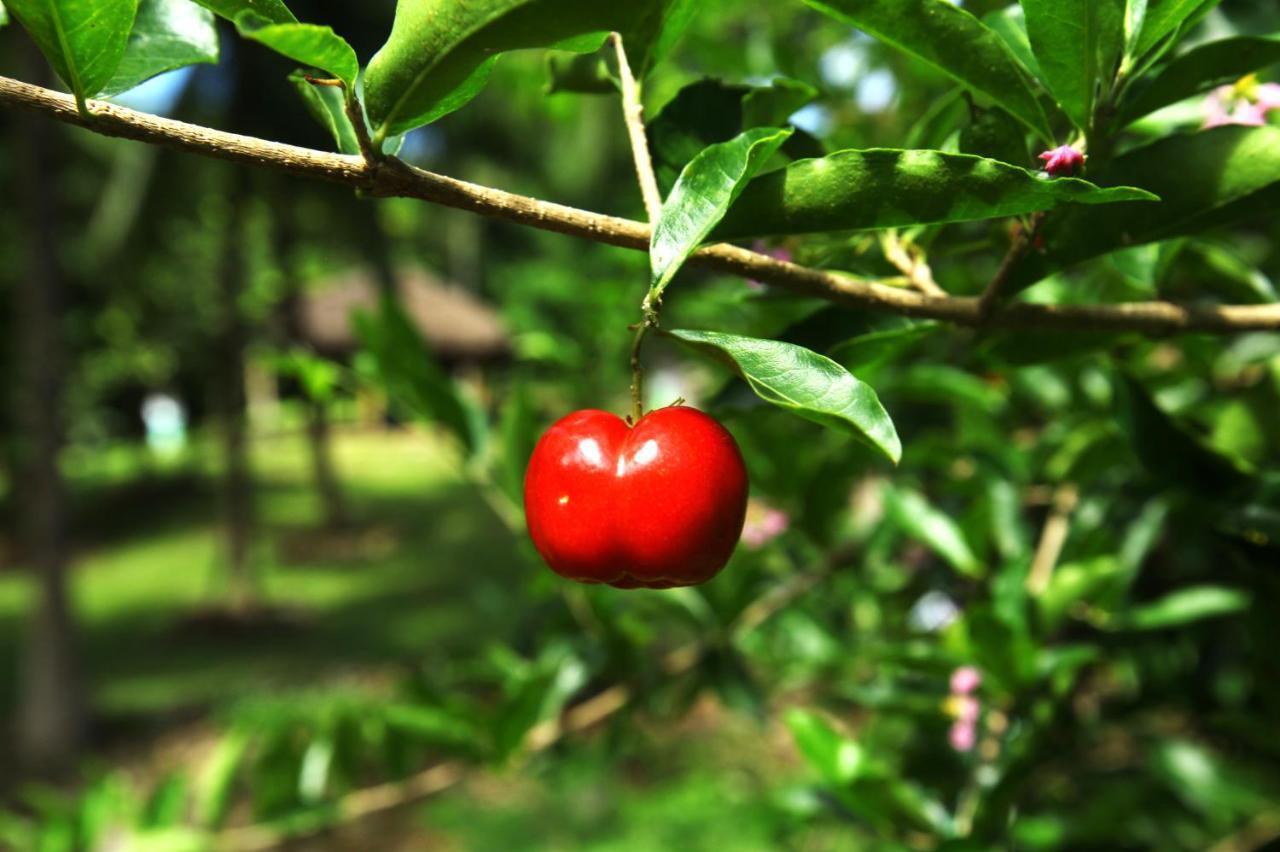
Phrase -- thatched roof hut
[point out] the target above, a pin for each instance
(457, 325)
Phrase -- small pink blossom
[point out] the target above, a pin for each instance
(966, 708)
(1246, 103)
(965, 680)
(1249, 114)
(1063, 160)
(963, 735)
(764, 524)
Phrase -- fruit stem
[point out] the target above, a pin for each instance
(648, 321)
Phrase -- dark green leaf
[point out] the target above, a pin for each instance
(803, 382)
(920, 520)
(1169, 452)
(167, 34)
(1078, 45)
(702, 194)
(1200, 69)
(274, 11)
(995, 134)
(327, 105)
(311, 44)
(1183, 607)
(839, 760)
(1165, 17)
(710, 111)
(886, 188)
(84, 40)
(541, 694)
(954, 42)
(1204, 179)
(440, 52)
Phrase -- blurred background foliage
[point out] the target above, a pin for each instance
(314, 581)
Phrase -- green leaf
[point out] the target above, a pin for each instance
(440, 52)
(891, 338)
(327, 105)
(1078, 45)
(1199, 70)
(581, 73)
(803, 382)
(711, 111)
(838, 759)
(920, 520)
(1169, 452)
(311, 44)
(84, 40)
(702, 194)
(217, 780)
(273, 10)
(1010, 23)
(1076, 583)
(1205, 179)
(167, 34)
(4, 15)
(954, 42)
(1183, 607)
(1135, 15)
(888, 188)
(1165, 17)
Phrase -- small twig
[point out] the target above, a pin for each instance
(1023, 240)
(633, 114)
(908, 259)
(332, 82)
(1052, 538)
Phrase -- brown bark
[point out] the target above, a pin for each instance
(51, 712)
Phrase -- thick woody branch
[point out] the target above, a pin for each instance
(393, 178)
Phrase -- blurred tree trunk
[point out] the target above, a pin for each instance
(327, 484)
(51, 712)
(319, 435)
(237, 496)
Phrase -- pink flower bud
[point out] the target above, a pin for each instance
(1063, 160)
(965, 680)
(962, 736)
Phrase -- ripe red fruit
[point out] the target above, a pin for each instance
(656, 505)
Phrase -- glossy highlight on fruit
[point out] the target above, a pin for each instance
(654, 505)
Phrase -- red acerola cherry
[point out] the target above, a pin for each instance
(654, 505)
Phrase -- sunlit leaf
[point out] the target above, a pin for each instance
(1077, 44)
(167, 34)
(1165, 17)
(327, 105)
(84, 40)
(1183, 607)
(839, 760)
(886, 188)
(311, 44)
(803, 382)
(703, 193)
(924, 522)
(953, 41)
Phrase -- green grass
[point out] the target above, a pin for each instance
(428, 548)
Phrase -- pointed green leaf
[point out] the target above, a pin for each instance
(440, 52)
(1166, 17)
(1077, 44)
(311, 44)
(953, 41)
(84, 40)
(803, 382)
(838, 759)
(327, 105)
(1183, 607)
(274, 11)
(167, 34)
(1205, 179)
(703, 193)
(4, 15)
(1199, 70)
(922, 521)
(886, 188)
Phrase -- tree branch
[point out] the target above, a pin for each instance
(633, 114)
(394, 178)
